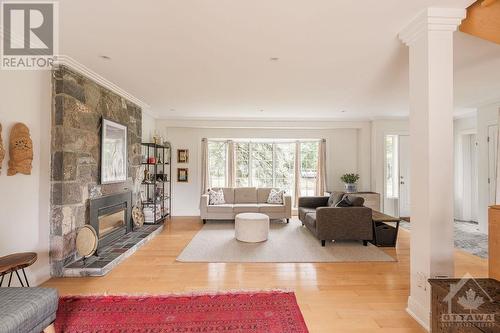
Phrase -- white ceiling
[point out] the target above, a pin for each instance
(211, 59)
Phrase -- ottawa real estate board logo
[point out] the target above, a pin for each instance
(29, 35)
(468, 305)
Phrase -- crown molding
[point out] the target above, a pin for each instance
(432, 19)
(64, 60)
(268, 125)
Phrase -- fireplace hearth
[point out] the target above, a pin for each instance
(111, 217)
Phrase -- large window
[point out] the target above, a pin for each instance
(217, 163)
(309, 167)
(266, 164)
(242, 164)
(284, 166)
(261, 163)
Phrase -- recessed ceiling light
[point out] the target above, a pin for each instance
(343, 111)
(274, 58)
(261, 110)
(105, 57)
(172, 109)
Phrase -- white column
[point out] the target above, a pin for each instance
(430, 40)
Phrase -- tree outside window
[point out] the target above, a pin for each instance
(217, 163)
(262, 162)
(242, 164)
(309, 168)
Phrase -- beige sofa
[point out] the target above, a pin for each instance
(245, 200)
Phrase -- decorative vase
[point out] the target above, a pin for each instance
(350, 188)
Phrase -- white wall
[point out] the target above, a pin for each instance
(348, 150)
(462, 193)
(486, 116)
(148, 126)
(25, 96)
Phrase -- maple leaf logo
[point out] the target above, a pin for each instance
(471, 301)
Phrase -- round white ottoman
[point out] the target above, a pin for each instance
(251, 227)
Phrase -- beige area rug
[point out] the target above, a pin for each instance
(289, 243)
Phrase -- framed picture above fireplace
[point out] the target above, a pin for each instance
(113, 152)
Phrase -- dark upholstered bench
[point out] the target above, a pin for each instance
(27, 310)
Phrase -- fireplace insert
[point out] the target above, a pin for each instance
(111, 217)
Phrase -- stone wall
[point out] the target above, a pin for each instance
(78, 107)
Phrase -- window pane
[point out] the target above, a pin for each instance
(217, 163)
(242, 164)
(309, 165)
(284, 167)
(262, 164)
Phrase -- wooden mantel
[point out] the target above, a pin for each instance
(494, 242)
(483, 20)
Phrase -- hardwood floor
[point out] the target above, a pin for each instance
(333, 297)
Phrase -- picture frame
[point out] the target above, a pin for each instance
(182, 175)
(182, 155)
(114, 163)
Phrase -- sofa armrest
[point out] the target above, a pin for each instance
(204, 206)
(344, 223)
(287, 201)
(313, 202)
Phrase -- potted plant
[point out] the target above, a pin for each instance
(350, 180)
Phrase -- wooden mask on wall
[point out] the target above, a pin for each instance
(20, 150)
(2, 150)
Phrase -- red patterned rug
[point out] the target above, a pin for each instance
(269, 312)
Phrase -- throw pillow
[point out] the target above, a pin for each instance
(345, 202)
(356, 201)
(216, 197)
(335, 198)
(275, 197)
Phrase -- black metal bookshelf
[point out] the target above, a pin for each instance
(156, 188)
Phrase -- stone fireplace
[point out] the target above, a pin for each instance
(79, 104)
(110, 216)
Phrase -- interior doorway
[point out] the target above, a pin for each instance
(468, 191)
(404, 177)
(397, 176)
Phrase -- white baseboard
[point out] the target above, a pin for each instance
(419, 312)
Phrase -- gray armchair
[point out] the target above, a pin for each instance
(335, 223)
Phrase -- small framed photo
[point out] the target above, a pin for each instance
(182, 175)
(182, 155)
